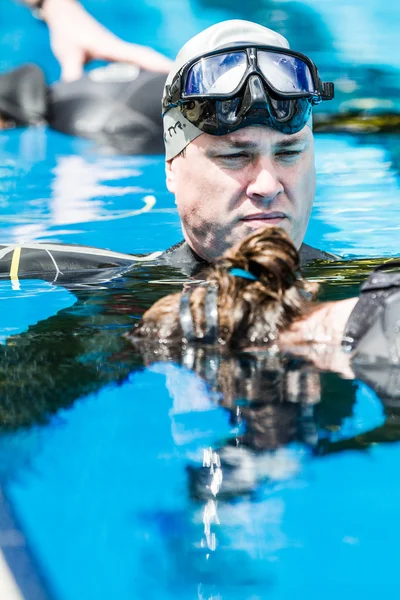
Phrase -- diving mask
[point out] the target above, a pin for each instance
(243, 85)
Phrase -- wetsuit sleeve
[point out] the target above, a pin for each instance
(381, 341)
(66, 263)
(373, 329)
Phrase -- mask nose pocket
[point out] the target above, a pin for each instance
(255, 96)
(283, 110)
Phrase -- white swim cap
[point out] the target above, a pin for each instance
(178, 131)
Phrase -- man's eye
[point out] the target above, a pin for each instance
(289, 153)
(235, 156)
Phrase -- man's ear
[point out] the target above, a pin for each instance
(170, 175)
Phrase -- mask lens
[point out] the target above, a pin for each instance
(287, 74)
(218, 74)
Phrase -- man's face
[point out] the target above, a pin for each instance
(227, 187)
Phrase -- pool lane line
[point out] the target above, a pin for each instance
(20, 578)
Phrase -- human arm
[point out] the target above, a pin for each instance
(76, 38)
(367, 326)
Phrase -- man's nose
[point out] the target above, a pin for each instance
(264, 183)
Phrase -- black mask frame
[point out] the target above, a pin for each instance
(253, 102)
(175, 93)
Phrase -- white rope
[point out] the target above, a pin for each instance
(55, 264)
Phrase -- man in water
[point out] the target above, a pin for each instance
(238, 136)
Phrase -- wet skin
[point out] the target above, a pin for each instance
(228, 186)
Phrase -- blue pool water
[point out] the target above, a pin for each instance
(97, 455)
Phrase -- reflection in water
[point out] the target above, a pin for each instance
(75, 352)
(79, 194)
(283, 415)
(271, 403)
(85, 340)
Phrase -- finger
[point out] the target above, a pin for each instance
(72, 67)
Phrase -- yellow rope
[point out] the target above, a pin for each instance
(15, 264)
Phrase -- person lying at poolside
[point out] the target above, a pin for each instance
(255, 296)
(117, 105)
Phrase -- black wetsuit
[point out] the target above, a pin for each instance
(68, 263)
(117, 105)
(183, 257)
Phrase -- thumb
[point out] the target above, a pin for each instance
(72, 67)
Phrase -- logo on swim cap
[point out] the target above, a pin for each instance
(172, 130)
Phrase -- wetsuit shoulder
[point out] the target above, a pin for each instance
(382, 340)
(308, 254)
(23, 95)
(184, 258)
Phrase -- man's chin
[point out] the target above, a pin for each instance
(250, 227)
(238, 233)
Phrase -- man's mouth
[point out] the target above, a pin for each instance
(265, 218)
